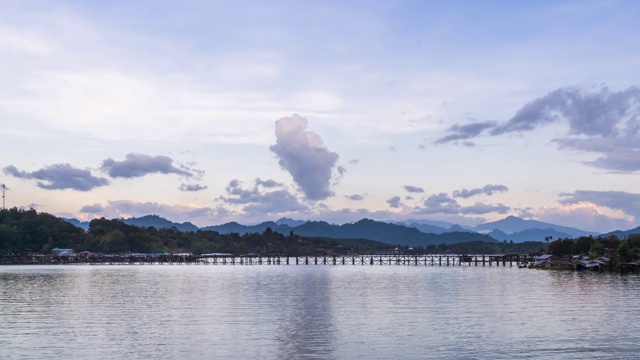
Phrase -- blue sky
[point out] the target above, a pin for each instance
(218, 111)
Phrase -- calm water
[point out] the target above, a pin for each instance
(315, 312)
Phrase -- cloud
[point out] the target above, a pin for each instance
(487, 190)
(620, 154)
(600, 121)
(137, 165)
(275, 202)
(201, 216)
(482, 208)
(354, 197)
(303, 154)
(413, 189)
(585, 216)
(629, 203)
(192, 187)
(440, 203)
(92, 209)
(468, 131)
(395, 202)
(258, 201)
(623, 160)
(59, 177)
(267, 183)
(597, 113)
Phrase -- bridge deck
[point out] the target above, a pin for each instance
(432, 260)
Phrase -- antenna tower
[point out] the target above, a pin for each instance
(3, 188)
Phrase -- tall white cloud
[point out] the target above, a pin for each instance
(303, 154)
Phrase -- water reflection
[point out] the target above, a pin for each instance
(306, 329)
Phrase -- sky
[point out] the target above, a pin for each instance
(249, 111)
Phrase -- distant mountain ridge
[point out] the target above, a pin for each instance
(623, 234)
(84, 225)
(411, 233)
(159, 222)
(363, 229)
(528, 235)
(513, 224)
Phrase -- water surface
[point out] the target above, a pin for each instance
(315, 312)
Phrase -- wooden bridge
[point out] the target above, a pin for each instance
(217, 259)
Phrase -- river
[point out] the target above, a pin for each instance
(315, 312)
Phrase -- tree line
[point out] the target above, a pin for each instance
(611, 246)
(29, 231)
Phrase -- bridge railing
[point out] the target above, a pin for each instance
(228, 259)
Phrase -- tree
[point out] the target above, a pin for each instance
(624, 251)
(583, 244)
(561, 247)
(596, 249)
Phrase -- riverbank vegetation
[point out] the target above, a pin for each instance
(624, 250)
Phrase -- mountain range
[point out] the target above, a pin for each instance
(410, 232)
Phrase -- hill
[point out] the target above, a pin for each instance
(234, 227)
(158, 222)
(512, 224)
(528, 235)
(364, 229)
(28, 230)
(84, 225)
(622, 234)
